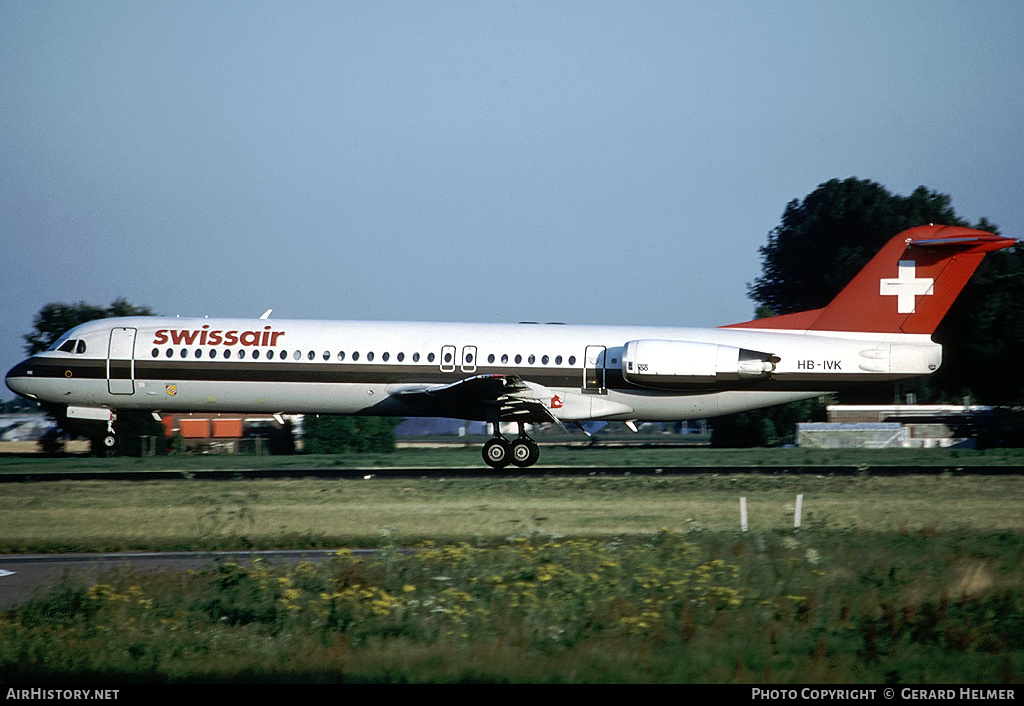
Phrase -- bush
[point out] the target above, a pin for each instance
(333, 434)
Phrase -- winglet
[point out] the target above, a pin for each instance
(906, 288)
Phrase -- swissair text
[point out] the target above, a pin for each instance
(216, 337)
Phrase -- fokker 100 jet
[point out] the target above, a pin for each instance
(878, 328)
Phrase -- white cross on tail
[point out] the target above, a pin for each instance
(906, 287)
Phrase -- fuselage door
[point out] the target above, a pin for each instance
(447, 359)
(593, 370)
(469, 359)
(120, 362)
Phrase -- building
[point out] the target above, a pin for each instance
(234, 433)
(896, 426)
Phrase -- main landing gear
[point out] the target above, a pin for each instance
(499, 452)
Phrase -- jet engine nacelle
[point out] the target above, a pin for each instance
(675, 365)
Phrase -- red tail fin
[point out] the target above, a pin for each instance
(906, 288)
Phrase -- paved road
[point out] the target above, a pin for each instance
(24, 575)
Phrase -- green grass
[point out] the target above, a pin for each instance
(911, 579)
(822, 606)
(301, 513)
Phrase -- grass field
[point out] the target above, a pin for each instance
(121, 515)
(910, 579)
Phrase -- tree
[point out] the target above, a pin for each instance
(57, 318)
(768, 426)
(825, 239)
(331, 434)
(983, 335)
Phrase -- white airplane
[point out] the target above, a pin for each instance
(878, 328)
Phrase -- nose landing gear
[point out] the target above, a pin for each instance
(110, 438)
(108, 442)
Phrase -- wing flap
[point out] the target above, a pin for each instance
(504, 397)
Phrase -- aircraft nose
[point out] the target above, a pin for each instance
(18, 380)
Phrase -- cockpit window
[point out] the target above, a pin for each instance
(72, 345)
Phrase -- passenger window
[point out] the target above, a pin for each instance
(558, 360)
(519, 359)
(369, 356)
(297, 355)
(227, 353)
(401, 357)
(256, 354)
(384, 356)
(170, 352)
(184, 353)
(341, 356)
(155, 352)
(199, 352)
(504, 358)
(430, 357)
(241, 353)
(213, 352)
(572, 360)
(355, 355)
(327, 355)
(415, 357)
(311, 355)
(544, 360)
(490, 358)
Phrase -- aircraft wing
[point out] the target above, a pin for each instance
(487, 397)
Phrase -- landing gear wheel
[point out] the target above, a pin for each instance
(497, 453)
(104, 445)
(525, 452)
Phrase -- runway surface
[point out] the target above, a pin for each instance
(23, 576)
(510, 472)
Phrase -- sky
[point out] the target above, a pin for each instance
(584, 162)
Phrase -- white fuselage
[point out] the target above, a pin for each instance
(390, 368)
